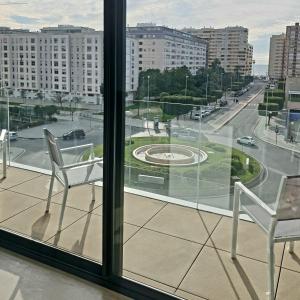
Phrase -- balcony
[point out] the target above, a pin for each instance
(170, 247)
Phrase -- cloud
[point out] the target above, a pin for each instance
(24, 20)
(262, 17)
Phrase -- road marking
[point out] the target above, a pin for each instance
(238, 111)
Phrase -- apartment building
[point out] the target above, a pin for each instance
(229, 45)
(293, 50)
(276, 56)
(164, 48)
(64, 59)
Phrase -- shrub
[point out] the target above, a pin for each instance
(276, 100)
(271, 108)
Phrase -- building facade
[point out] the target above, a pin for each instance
(292, 54)
(164, 48)
(276, 56)
(229, 45)
(65, 60)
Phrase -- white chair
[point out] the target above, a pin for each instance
(3, 144)
(281, 224)
(71, 175)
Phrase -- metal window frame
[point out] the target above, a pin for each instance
(110, 273)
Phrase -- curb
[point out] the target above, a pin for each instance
(272, 143)
(238, 111)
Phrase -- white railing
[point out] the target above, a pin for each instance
(3, 144)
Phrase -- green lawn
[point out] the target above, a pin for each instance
(222, 161)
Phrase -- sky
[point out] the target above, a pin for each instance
(262, 17)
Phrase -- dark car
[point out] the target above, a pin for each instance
(74, 134)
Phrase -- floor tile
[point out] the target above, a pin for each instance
(38, 187)
(13, 203)
(25, 279)
(214, 275)
(149, 282)
(138, 210)
(84, 237)
(159, 257)
(288, 288)
(16, 176)
(81, 197)
(252, 241)
(35, 223)
(187, 296)
(187, 223)
(292, 260)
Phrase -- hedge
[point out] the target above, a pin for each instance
(276, 100)
(274, 93)
(271, 108)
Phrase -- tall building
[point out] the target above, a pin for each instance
(164, 48)
(64, 59)
(293, 50)
(229, 45)
(276, 56)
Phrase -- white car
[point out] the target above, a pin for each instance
(13, 136)
(246, 140)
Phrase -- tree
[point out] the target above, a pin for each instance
(50, 110)
(58, 98)
(102, 89)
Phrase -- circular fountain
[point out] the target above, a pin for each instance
(170, 155)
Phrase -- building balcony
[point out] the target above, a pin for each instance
(180, 250)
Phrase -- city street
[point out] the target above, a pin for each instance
(225, 126)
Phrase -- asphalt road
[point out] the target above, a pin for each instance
(277, 161)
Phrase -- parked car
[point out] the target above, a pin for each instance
(185, 134)
(74, 134)
(13, 136)
(223, 102)
(246, 140)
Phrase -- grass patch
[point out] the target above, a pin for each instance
(222, 161)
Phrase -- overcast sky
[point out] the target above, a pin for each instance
(262, 17)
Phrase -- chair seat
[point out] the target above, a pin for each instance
(284, 228)
(83, 174)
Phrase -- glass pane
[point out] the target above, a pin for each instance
(210, 104)
(52, 77)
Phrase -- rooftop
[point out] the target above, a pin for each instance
(167, 246)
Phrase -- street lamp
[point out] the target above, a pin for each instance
(148, 77)
(186, 79)
(206, 86)
(267, 108)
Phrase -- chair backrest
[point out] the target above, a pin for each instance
(288, 198)
(3, 135)
(53, 148)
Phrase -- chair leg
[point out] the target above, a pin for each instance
(63, 207)
(291, 247)
(93, 191)
(50, 193)
(236, 209)
(271, 270)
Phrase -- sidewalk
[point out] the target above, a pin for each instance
(268, 135)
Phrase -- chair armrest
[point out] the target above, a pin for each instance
(77, 147)
(81, 163)
(255, 199)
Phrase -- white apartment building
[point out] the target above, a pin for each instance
(229, 45)
(64, 59)
(164, 48)
(276, 56)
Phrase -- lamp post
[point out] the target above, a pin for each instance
(186, 80)
(148, 77)
(267, 108)
(206, 86)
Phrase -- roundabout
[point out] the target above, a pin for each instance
(169, 155)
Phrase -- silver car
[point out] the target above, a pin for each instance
(246, 140)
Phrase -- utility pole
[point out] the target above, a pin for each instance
(206, 86)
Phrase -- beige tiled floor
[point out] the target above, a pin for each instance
(176, 249)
